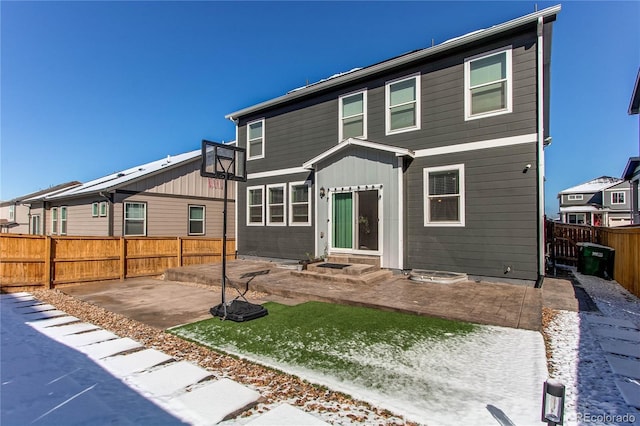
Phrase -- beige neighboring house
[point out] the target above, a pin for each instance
(24, 215)
(166, 197)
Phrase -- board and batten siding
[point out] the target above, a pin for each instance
(287, 242)
(500, 228)
(169, 215)
(300, 131)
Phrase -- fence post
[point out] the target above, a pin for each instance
(179, 239)
(48, 256)
(123, 258)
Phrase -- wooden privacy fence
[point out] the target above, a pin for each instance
(42, 261)
(561, 240)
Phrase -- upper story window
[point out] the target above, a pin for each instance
(617, 197)
(444, 203)
(299, 205)
(12, 212)
(255, 140)
(54, 220)
(255, 205)
(402, 105)
(488, 84)
(353, 116)
(135, 219)
(276, 212)
(196, 220)
(575, 197)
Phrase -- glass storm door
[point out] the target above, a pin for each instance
(359, 231)
(343, 220)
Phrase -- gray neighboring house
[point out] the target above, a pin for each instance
(632, 170)
(166, 197)
(433, 159)
(25, 215)
(604, 201)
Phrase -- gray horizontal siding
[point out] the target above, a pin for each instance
(80, 220)
(501, 216)
(298, 132)
(288, 242)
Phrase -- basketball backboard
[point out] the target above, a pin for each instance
(223, 161)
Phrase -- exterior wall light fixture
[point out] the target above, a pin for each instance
(553, 402)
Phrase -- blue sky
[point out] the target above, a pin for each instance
(90, 88)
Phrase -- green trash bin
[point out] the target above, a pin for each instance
(595, 259)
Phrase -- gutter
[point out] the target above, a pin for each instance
(540, 153)
(399, 61)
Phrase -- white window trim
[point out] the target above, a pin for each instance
(35, 220)
(124, 217)
(364, 114)
(95, 209)
(103, 206)
(467, 84)
(575, 197)
(249, 189)
(624, 199)
(12, 212)
(584, 218)
(256, 157)
(291, 203)
(387, 107)
(203, 220)
(461, 204)
(284, 204)
(64, 220)
(55, 219)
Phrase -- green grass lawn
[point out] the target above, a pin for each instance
(349, 343)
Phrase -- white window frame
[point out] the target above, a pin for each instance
(576, 215)
(63, 220)
(283, 186)
(35, 222)
(12, 212)
(341, 117)
(387, 106)
(292, 203)
(255, 157)
(54, 220)
(124, 218)
(509, 79)
(95, 210)
(249, 189)
(103, 209)
(461, 196)
(575, 197)
(203, 220)
(619, 193)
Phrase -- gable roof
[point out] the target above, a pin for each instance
(125, 177)
(42, 193)
(547, 15)
(634, 106)
(399, 152)
(595, 185)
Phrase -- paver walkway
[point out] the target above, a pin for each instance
(49, 383)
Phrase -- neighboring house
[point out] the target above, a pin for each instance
(166, 197)
(604, 201)
(433, 159)
(632, 170)
(19, 216)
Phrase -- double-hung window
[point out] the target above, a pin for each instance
(402, 105)
(54, 220)
(488, 84)
(255, 140)
(63, 221)
(617, 197)
(444, 203)
(276, 210)
(255, 206)
(135, 219)
(196, 220)
(299, 205)
(35, 224)
(353, 116)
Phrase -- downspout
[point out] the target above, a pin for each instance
(540, 153)
(109, 197)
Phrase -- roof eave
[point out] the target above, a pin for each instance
(399, 61)
(634, 105)
(632, 165)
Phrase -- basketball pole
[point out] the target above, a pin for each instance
(224, 243)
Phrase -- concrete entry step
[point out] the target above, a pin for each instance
(363, 279)
(354, 258)
(333, 268)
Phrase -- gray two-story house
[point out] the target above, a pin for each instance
(432, 160)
